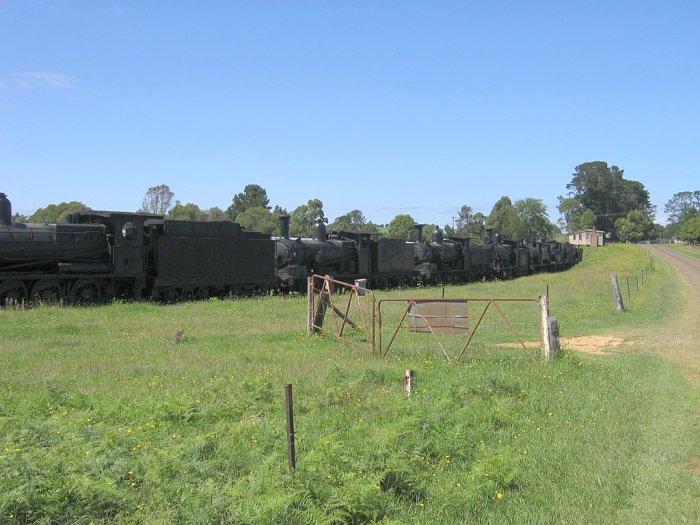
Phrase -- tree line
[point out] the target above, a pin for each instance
(599, 196)
(683, 210)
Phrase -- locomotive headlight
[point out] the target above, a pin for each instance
(128, 231)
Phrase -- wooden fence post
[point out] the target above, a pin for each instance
(544, 315)
(408, 382)
(310, 305)
(618, 294)
(553, 327)
(289, 405)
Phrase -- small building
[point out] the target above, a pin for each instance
(588, 237)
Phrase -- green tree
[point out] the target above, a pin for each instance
(504, 218)
(157, 200)
(17, 218)
(689, 230)
(56, 213)
(636, 226)
(352, 220)
(603, 190)
(251, 197)
(186, 212)
(258, 218)
(574, 217)
(216, 214)
(304, 216)
(401, 227)
(468, 223)
(533, 221)
(682, 206)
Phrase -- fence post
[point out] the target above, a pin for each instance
(289, 405)
(618, 294)
(408, 382)
(553, 327)
(544, 315)
(310, 305)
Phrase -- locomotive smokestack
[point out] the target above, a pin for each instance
(5, 210)
(284, 226)
(418, 232)
(318, 232)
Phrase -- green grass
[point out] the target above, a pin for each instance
(693, 251)
(103, 419)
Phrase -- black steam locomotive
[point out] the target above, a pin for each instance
(388, 263)
(102, 255)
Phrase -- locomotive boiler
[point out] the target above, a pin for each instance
(102, 255)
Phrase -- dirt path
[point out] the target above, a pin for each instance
(677, 339)
(681, 343)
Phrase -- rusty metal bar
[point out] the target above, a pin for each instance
(471, 335)
(447, 356)
(510, 325)
(412, 301)
(326, 300)
(398, 327)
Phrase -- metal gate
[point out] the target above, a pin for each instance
(344, 311)
(446, 316)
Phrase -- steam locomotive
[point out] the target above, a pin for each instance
(102, 255)
(388, 263)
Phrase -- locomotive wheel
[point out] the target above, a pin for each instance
(85, 291)
(47, 291)
(12, 292)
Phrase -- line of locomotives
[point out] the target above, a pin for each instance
(102, 255)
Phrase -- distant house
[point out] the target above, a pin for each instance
(589, 237)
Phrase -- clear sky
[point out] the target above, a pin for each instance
(389, 107)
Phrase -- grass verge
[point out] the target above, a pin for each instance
(104, 419)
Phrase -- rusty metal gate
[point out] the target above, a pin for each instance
(344, 311)
(352, 314)
(446, 316)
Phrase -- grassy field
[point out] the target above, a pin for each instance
(693, 251)
(104, 419)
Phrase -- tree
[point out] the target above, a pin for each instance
(504, 219)
(304, 216)
(352, 220)
(689, 231)
(18, 218)
(636, 226)
(469, 224)
(157, 200)
(216, 214)
(401, 227)
(682, 206)
(533, 220)
(186, 212)
(55, 213)
(574, 216)
(258, 218)
(603, 190)
(251, 197)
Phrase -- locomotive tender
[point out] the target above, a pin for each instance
(102, 255)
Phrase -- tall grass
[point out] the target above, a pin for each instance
(105, 419)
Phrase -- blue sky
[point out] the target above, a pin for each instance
(384, 106)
